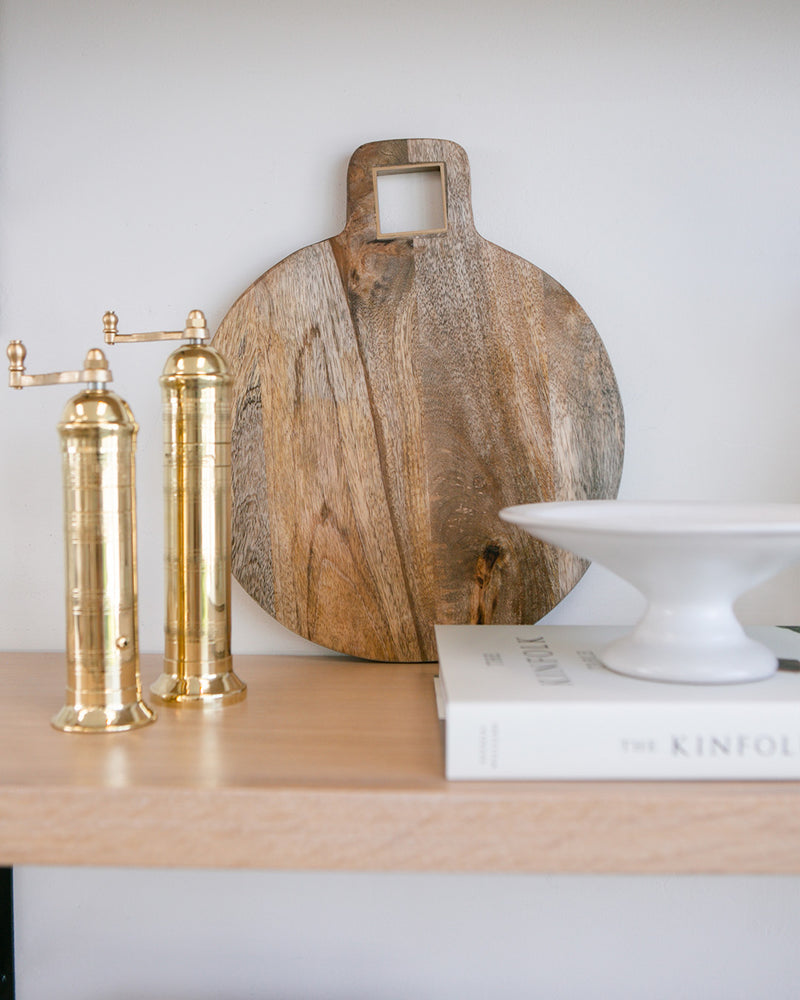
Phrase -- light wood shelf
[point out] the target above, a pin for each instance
(331, 764)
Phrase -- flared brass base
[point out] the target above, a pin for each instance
(78, 719)
(212, 689)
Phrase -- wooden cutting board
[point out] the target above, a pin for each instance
(391, 395)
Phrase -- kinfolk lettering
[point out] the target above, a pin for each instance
(546, 667)
(735, 745)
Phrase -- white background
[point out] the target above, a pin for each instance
(159, 156)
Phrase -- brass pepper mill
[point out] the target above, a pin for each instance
(196, 397)
(98, 443)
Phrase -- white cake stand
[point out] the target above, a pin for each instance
(691, 561)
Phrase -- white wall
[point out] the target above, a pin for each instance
(332, 936)
(157, 156)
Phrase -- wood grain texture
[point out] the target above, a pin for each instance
(332, 763)
(391, 396)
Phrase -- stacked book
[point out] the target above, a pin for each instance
(536, 702)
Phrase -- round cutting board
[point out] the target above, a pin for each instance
(391, 394)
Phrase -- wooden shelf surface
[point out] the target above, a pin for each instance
(332, 764)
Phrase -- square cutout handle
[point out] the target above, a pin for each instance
(410, 200)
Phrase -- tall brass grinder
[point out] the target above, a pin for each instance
(98, 441)
(196, 399)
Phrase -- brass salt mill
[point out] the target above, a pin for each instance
(98, 443)
(196, 398)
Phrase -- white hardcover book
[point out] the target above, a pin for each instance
(535, 702)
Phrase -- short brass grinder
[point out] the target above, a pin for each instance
(98, 442)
